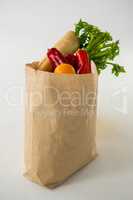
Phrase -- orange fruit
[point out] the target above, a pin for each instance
(64, 69)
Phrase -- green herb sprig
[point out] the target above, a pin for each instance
(99, 45)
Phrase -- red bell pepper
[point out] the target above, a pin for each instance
(55, 57)
(84, 64)
(72, 60)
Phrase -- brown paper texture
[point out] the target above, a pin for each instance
(60, 124)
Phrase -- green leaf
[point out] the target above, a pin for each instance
(117, 69)
(100, 46)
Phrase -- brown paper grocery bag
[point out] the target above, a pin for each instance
(60, 124)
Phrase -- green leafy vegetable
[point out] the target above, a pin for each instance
(99, 45)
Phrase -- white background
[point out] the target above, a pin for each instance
(27, 29)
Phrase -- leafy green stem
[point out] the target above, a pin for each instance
(99, 45)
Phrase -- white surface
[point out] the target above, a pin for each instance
(27, 29)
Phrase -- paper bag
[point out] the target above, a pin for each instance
(60, 124)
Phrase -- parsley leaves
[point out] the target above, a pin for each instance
(99, 45)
